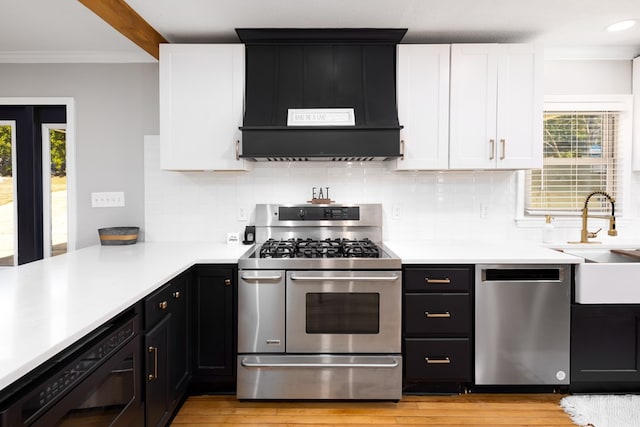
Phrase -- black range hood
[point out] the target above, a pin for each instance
(313, 69)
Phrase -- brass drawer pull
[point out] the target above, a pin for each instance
(227, 282)
(504, 149)
(446, 314)
(441, 361)
(163, 305)
(176, 294)
(445, 281)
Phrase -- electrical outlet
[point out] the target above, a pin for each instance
(112, 199)
(395, 211)
(243, 214)
(484, 210)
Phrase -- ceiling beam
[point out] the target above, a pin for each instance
(123, 18)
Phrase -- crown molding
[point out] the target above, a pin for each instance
(55, 57)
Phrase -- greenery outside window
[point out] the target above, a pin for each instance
(583, 152)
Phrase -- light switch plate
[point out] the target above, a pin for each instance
(395, 211)
(112, 199)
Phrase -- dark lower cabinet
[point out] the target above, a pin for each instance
(166, 350)
(605, 348)
(156, 344)
(437, 328)
(214, 294)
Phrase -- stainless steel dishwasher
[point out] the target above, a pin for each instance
(522, 324)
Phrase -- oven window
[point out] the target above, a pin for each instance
(343, 313)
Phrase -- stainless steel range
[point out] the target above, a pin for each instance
(319, 306)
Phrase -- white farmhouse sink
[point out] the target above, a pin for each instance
(606, 277)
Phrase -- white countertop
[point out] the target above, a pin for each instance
(45, 306)
(477, 252)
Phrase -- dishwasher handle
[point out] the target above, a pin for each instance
(523, 275)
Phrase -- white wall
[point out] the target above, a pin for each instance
(574, 77)
(203, 206)
(116, 104)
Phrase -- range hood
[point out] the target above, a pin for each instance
(348, 72)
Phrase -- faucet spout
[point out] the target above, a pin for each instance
(585, 235)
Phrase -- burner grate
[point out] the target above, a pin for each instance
(312, 248)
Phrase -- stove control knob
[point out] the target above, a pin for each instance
(302, 213)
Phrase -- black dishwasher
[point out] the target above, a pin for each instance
(97, 382)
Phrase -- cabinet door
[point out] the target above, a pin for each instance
(474, 91)
(423, 106)
(605, 343)
(201, 106)
(213, 323)
(519, 107)
(496, 106)
(179, 353)
(156, 343)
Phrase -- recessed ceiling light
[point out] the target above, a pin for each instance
(622, 25)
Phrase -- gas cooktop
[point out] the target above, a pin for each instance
(316, 248)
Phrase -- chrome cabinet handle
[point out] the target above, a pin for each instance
(504, 149)
(493, 149)
(346, 278)
(154, 350)
(440, 361)
(445, 281)
(176, 294)
(446, 314)
(163, 305)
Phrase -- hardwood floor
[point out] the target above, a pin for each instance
(512, 410)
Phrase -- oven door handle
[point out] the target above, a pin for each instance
(347, 278)
(247, 364)
(255, 278)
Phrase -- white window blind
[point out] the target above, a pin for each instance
(580, 156)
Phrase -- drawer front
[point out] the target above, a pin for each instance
(426, 314)
(438, 359)
(438, 279)
(161, 302)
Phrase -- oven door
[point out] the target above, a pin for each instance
(343, 311)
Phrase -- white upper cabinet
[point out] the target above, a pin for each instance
(496, 106)
(423, 106)
(201, 106)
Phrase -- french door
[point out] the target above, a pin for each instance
(34, 198)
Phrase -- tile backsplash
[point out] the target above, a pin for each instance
(204, 206)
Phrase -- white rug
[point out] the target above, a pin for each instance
(603, 410)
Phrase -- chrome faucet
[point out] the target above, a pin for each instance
(585, 234)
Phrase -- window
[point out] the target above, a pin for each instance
(7, 194)
(582, 153)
